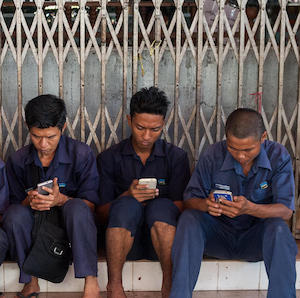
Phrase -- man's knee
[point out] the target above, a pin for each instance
(277, 229)
(77, 212)
(127, 213)
(17, 215)
(192, 217)
(161, 210)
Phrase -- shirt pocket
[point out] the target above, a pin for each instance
(260, 195)
(163, 191)
(68, 188)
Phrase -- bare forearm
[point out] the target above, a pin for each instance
(102, 213)
(269, 210)
(26, 202)
(195, 203)
(179, 205)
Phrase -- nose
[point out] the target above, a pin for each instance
(43, 143)
(147, 134)
(241, 155)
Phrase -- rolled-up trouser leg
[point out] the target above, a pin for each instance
(197, 233)
(163, 210)
(279, 254)
(3, 245)
(82, 233)
(127, 213)
(17, 223)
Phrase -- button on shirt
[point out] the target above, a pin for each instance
(119, 165)
(74, 165)
(270, 179)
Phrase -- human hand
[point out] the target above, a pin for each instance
(239, 206)
(41, 202)
(141, 191)
(213, 208)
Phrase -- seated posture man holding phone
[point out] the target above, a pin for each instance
(252, 226)
(142, 214)
(72, 167)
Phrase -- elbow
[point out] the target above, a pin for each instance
(287, 215)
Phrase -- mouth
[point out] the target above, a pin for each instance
(146, 143)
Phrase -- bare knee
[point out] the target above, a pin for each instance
(163, 229)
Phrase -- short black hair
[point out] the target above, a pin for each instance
(244, 123)
(45, 111)
(149, 100)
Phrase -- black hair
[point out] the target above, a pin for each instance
(244, 123)
(45, 111)
(149, 100)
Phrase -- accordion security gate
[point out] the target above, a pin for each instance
(209, 56)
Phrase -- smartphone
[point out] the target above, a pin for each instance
(151, 182)
(48, 184)
(222, 194)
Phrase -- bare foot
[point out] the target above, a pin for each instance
(91, 288)
(115, 291)
(30, 287)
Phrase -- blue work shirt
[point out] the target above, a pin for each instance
(119, 165)
(269, 181)
(74, 165)
(4, 192)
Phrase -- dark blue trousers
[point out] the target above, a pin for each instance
(269, 240)
(80, 228)
(138, 218)
(3, 245)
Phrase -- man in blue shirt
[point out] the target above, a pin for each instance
(72, 166)
(252, 227)
(141, 221)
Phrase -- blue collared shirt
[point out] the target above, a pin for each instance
(74, 165)
(119, 165)
(270, 179)
(4, 192)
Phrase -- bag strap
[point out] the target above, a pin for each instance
(39, 217)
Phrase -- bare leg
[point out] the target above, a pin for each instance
(91, 287)
(31, 287)
(162, 235)
(118, 244)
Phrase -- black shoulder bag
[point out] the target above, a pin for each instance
(50, 255)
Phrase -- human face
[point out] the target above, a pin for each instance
(145, 129)
(244, 150)
(45, 140)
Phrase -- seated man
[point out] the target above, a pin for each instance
(141, 218)
(72, 166)
(252, 227)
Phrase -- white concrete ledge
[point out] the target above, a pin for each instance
(147, 276)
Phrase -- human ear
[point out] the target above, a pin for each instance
(263, 137)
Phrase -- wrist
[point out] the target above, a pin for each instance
(63, 199)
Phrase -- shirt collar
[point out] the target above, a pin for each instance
(157, 149)
(61, 154)
(261, 161)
